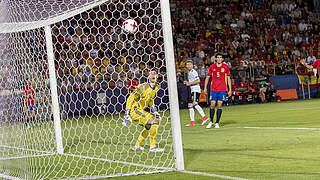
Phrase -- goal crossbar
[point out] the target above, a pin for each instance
(25, 26)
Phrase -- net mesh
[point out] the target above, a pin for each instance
(34, 10)
(97, 65)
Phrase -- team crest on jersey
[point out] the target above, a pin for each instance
(222, 70)
(214, 69)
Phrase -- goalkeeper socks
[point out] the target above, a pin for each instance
(191, 113)
(211, 114)
(153, 134)
(219, 112)
(142, 136)
(199, 109)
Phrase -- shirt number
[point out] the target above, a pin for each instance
(218, 74)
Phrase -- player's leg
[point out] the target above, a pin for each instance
(190, 107)
(213, 99)
(154, 124)
(140, 116)
(33, 114)
(221, 98)
(28, 115)
(151, 125)
(219, 112)
(143, 135)
(262, 94)
(198, 108)
(191, 114)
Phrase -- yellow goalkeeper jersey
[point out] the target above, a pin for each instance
(142, 96)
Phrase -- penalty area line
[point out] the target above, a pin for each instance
(281, 128)
(213, 175)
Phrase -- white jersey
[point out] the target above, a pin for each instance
(192, 76)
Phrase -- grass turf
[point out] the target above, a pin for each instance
(268, 153)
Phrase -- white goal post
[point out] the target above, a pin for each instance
(57, 60)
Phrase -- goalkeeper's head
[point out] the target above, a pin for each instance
(153, 76)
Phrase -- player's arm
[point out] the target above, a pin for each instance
(197, 81)
(229, 85)
(229, 81)
(130, 101)
(206, 81)
(133, 97)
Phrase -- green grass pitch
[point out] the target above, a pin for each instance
(257, 141)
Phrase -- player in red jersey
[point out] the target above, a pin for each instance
(29, 100)
(220, 85)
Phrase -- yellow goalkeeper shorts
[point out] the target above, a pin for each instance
(140, 115)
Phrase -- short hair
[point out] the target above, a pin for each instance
(219, 54)
(190, 61)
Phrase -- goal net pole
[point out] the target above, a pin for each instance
(172, 83)
(53, 89)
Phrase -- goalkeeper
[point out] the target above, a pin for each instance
(137, 102)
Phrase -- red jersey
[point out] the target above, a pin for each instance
(244, 86)
(252, 87)
(132, 85)
(316, 64)
(29, 93)
(219, 77)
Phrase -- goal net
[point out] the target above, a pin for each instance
(66, 71)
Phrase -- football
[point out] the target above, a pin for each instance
(130, 26)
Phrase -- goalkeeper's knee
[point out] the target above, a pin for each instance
(152, 121)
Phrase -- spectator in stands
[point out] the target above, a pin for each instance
(311, 58)
(202, 71)
(271, 93)
(132, 82)
(247, 31)
(144, 76)
(134, 69)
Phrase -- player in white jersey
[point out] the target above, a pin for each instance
(195, 90)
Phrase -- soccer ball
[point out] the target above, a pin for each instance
(130, 26)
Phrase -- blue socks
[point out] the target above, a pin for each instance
(219, 112)
(211, 115)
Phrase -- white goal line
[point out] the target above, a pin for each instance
(213, 175)
(281, 128)
(270, 128)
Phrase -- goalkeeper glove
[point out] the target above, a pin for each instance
(157, 116)
(155, 112)
(126, 118)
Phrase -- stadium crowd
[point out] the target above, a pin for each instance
(92, 52)
(259, 39)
